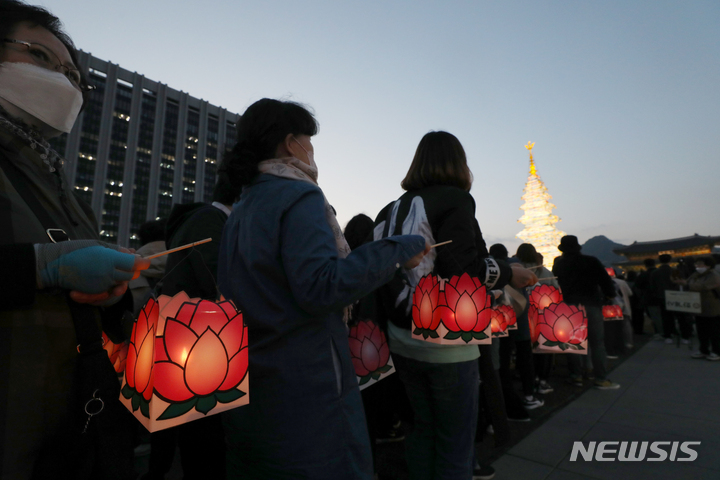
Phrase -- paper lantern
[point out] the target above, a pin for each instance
(612, 312)
(369, 353)
(117, 353)
(559, 328)
(188, 358)
(543, 296)
(498, 322)
(455, 312)
(510, 316)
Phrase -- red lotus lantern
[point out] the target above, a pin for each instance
(542, 296)
(188, 358)
(369, 353)
(117, 353)
(612, 312)
(510, 317)
(532, 323)
(559, 328)
(138, 385)
(498, 322)
(424, 309)
(452, 312)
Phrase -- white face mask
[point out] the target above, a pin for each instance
(310, 156)
(46, 95)
(701, 269)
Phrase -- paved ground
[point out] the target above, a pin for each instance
(665, 396)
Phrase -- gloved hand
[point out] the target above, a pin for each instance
(86, 266)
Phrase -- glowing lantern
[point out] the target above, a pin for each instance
(612, 312)
(425, 303)
(454, 312)
(117, 353)
(542, 296)
(188, 358)
(498, 322)
(559, 328)
(532, 323)
(510, 316)
(369, 353)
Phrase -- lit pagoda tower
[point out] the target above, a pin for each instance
(538, 219)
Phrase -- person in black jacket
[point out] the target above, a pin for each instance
(660, 281)
(442, 381)
(585, 282)
(194, 271)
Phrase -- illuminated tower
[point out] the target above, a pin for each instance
(538, 219)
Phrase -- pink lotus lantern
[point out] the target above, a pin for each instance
(117, 353)
(510, 317)
(498, 322)
(532, 322)
(369, 353)
(424, 309)
(612, 312)
(188, 358)
(543, 296)
(559, 328)
(454, 312)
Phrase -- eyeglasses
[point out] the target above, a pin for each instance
(46, 58)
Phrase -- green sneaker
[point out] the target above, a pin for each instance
(575, 380)
(606, 385)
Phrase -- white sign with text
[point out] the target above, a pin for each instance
(688, 302)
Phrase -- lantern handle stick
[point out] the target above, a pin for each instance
(538, 283)
(177, 249)
(440, 244)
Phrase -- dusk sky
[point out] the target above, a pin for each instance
(621, 98)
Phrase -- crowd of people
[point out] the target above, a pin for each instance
(280, 255)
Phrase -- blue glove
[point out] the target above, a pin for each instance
(87, 266)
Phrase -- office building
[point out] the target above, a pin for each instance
(140, 146)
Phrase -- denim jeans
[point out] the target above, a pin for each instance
(444, 398)
(596, 346)
(655, 315)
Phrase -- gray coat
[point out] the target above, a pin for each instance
(708, 284)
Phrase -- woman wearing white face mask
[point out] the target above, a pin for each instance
(46, 336)
(706, 281)
(285, 263)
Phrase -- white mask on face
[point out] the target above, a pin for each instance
(46, 95)
(310, 156)
(701, 269)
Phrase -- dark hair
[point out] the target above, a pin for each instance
(665, 258)
(152, 231)
(14, 12)
(498, 251)
(439, 160)
(358, 230)
(224, 191)
(526, 253)
(649, 262)
(708, 260)
(260, 130)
